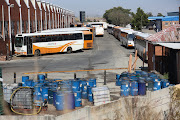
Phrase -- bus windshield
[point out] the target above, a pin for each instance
(131, 37)
(18, 41)
(88, 37)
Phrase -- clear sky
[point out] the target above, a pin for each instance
(98, 7)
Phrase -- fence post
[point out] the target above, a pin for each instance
(105, 77)
(45, 76)
(74, 75)
(14, 77)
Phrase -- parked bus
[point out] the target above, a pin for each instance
(95, 24)
(110, 29)
(88, 35)
(127, 37)
(99, 31)
(88, 39)
(141, 43)
(52, 42)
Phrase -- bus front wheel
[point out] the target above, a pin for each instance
(69, 50)
(37, 53)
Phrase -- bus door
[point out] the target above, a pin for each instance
(29, 45)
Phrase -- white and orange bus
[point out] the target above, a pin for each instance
(52, 42)
(87, 32)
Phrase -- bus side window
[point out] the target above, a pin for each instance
(72, 37)
(43, 39)
(78, 36)
(25, 40)
(48, 38)
(54, 38)
(65, 37)
(60, 38)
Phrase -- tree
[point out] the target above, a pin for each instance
(118, 16)
(159, 14)
(140, 19)
(149, 14)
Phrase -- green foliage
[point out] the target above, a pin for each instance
(118, 16)
(166, 76)
(139, 17)
(159, 14)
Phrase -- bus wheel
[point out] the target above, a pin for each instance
(37, 53)
(69, 50)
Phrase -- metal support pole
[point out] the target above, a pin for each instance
(105, 77)
(74, 75)
(14, 77)
(45, 76)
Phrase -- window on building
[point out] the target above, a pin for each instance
(17, 27)
(166, 23)
(12, 27)
(23, 27)
(0, 27)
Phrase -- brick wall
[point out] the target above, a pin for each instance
(166, 24)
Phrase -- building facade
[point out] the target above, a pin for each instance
(28, 16)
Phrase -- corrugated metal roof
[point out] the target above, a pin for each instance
(165, 18)
(171, 34)
(170, 45)
(143, 35)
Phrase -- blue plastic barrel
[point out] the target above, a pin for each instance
(29, 83)
(37, 93)
(138, 72)
(50, 96)
(24, 78)
(133, 78)
(82, 83)
(144, 74)
(54, 97)
(94, 80)
(141, 87)
(134, 88)
(41, 77)
(44, 93)
(90, 83)
(69, 100)
(84, 92)
(156, 79)
(75, 85)
(118, 82)
(34, 83)
(157, 85)
(124, 88)
(124, 74)
(90, 95)
(78, 98)
(165, 83)
(59, 102)
(118, 76)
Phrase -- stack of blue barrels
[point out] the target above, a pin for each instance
(67, 94)
(139, 82)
